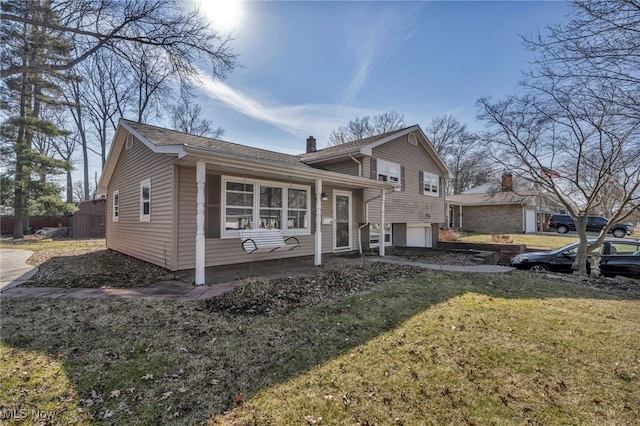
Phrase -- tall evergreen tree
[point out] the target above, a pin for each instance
(25, 95)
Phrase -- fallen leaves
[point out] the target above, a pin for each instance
(281, 296)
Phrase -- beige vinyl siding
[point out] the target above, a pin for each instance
(150, 241)
(357, 216)
(408, 205)
(347, 167)
(225, 251)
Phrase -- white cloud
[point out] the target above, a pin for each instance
(298, 120)
(372, 39)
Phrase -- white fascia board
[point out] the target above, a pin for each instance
(368, 148)
(330, 157)
(177, 149)
(283, 169)
(117, 144)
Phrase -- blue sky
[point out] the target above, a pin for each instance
(309, 67)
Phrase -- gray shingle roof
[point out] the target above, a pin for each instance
(506, 197)
(166, 137)
(347, 147)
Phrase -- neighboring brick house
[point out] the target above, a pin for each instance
(501, 208)
(183, 201)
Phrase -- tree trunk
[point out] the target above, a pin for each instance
(580, 264)
(19, 201)
(69, 187)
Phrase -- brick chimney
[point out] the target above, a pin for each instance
(507, 182)
(311, 144)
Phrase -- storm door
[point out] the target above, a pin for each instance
(341, 220)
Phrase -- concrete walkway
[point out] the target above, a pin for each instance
(18, 272)
(14, 269)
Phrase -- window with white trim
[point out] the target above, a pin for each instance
(298, 209)
(374, 235)
(388, 171)
(238, 206)
(145, 200)
(430, 184)
(116, 206)
(268, 205)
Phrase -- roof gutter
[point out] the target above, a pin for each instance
(265, 166)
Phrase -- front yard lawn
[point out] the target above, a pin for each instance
(434, 348)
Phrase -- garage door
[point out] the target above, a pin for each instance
(531, 221)
(419, 235)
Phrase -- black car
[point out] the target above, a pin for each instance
(564, 223)
(619, 257)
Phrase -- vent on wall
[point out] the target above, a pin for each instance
(129, 143)
(412, 139)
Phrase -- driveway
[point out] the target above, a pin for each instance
(14, 269)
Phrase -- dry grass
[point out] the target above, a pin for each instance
(438, 348)
(530, 240)
(448, 234)
(35, 243)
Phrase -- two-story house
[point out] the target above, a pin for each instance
(183, 201)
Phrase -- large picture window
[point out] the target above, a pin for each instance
(145, 200)
(267, 205)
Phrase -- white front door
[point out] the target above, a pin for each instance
(341, 220)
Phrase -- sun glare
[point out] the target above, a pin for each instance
(225, 15)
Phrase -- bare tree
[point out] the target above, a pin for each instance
(105, 96)
(461, 150)
(186, 117)
(443, 130)
(576, 129)
(363, 127)
(184, 38)
(566, 142)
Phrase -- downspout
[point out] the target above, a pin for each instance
(359, 164)
(366, 219)
(524, 218)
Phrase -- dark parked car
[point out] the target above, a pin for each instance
(563, 223)
(619, 257)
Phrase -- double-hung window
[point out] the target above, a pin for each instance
(145, 200)
(116, 206)
(266, 205)
(238, 206)
(298, 209)
(430, 184)
(388, 171)
(271, 204)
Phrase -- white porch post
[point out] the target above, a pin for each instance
(317, 261)
(381, 232)
(201, 176)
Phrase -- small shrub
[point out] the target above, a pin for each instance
(501, 238)
(448, 234)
